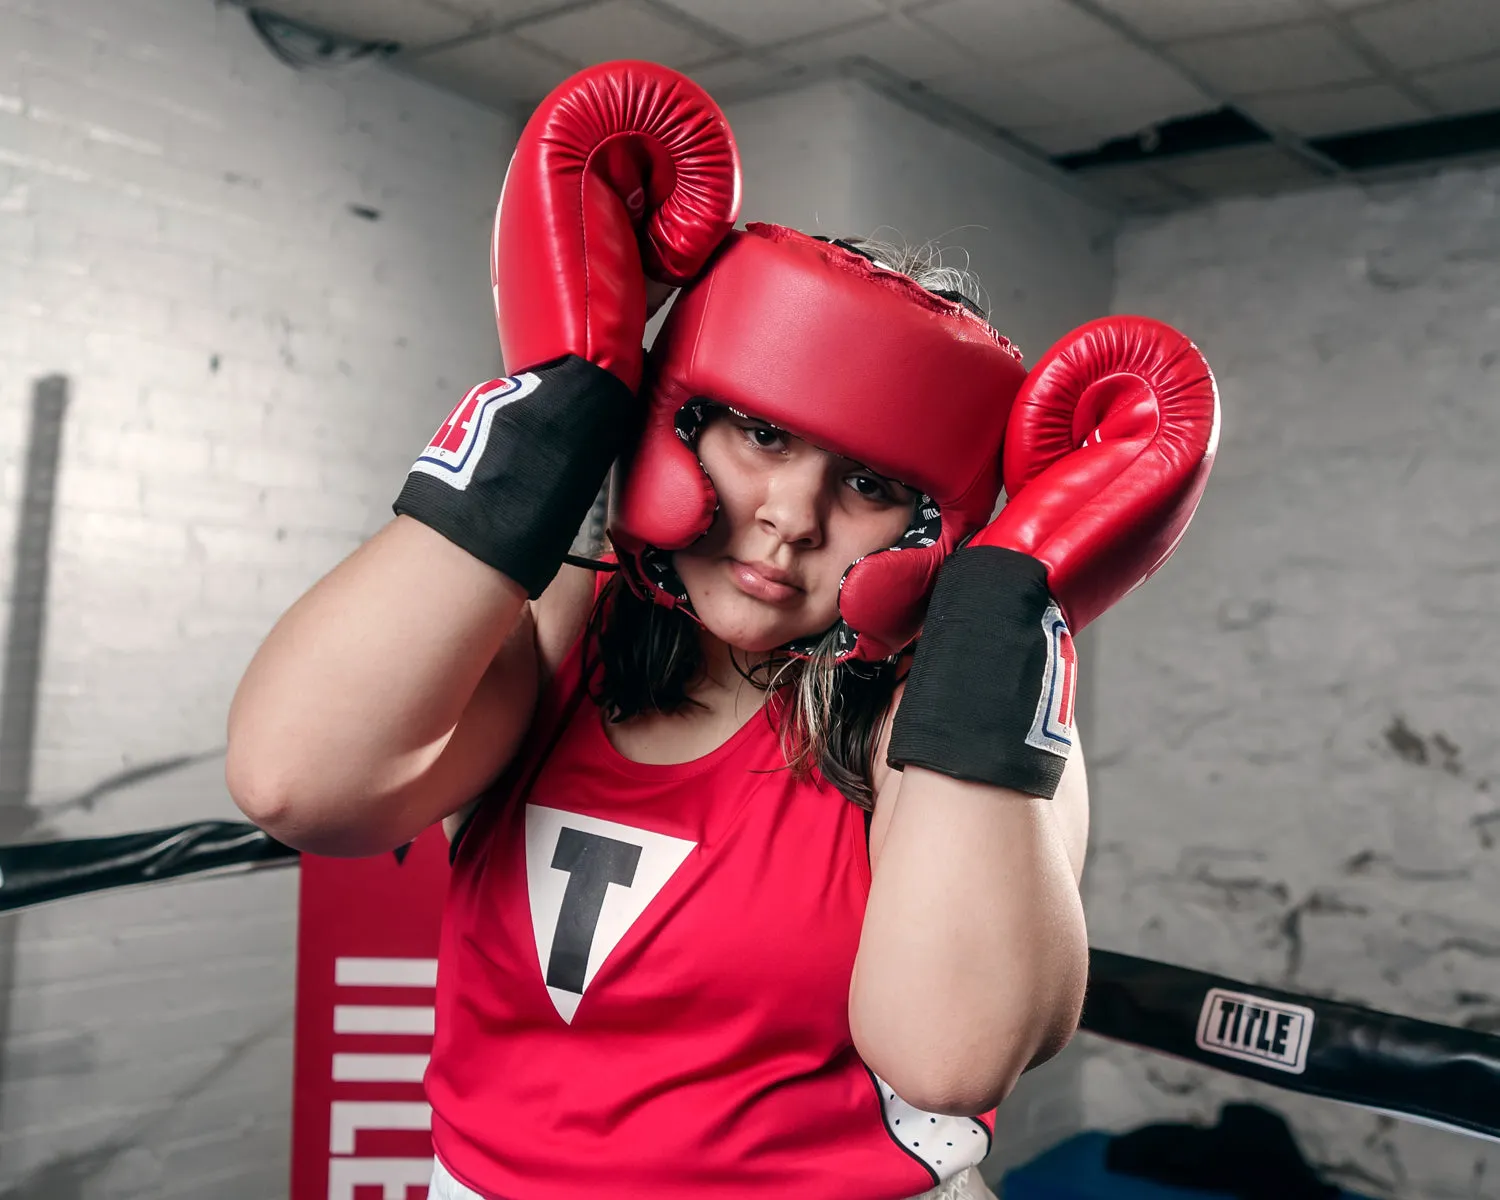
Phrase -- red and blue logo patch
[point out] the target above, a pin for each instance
(459, 442)
(1052, 727)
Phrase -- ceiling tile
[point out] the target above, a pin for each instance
(409, 22)
(1119, 86)
(1242, 169)
(896, 42)
(1166, 20)
(1429, 33)
(1335, 110)
(497, 70)
(1017, 30)
(766, 21)
(1273, 61)
(1463, 88)
(620, 29)
(997, 98)
(739, 72)
(500, 12)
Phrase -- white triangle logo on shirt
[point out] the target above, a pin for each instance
(589, 880)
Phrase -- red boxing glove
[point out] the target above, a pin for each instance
(1108, 448)
(626, 170)
(1107, 451)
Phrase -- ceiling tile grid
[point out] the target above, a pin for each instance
(1113, 81)
(1060, 76)
(620, 29)
(485, 12)
(739, 73)
(896, 42)
(996, 97)
(380, 20)
(1017, 31)
(764, 22)
(1463, 87)
(498, 70)
(1174, 20)
(1292, 56)
(1430, 33)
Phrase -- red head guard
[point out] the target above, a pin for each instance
(859, 360)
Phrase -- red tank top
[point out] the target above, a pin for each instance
(643, 984)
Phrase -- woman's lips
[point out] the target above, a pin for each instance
(755, 582)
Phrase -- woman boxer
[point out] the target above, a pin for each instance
(672, 963)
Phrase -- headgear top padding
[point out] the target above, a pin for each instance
(854, 358)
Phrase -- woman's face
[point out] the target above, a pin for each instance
(791, 519)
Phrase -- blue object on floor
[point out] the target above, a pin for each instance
(1074, 1170)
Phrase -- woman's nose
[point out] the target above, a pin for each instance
(794, 502)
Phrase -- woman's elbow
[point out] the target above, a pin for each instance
(974, 1093)
(977, 1061)
(950, 1082)
(297, 818)
(255, 793)
(1057, 1022)
(968, 1094)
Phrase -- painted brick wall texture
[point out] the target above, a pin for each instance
(1296, 751)
(253, 365)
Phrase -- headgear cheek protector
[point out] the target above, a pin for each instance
(859, 360)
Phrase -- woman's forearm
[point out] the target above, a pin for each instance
(974, 955)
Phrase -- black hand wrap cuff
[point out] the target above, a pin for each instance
(512, 473)
(990, 695)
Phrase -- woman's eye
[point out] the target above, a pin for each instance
(867, 485)
(763, 436)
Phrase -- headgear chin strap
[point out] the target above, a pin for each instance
(859, 360)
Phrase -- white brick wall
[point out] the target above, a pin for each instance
(252, 368)
(1296, 751)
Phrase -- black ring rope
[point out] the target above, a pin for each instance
(1416, 1070)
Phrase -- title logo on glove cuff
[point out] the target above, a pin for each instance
(460, 440)
(1052, 727)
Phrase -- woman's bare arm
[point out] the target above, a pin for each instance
(384, 698)
(974, 952)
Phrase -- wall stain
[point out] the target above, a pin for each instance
(1172, 1087)
(1368, 862)
(1481, 823)
(1319, 903)
(1239, 894)
(1406, 744)
(1410, 746)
